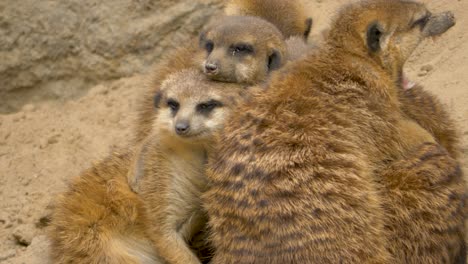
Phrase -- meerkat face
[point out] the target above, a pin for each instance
(242, 50)
(192, 108)
(389, 31)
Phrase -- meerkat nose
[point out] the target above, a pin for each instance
(182, 128)
(211, 67)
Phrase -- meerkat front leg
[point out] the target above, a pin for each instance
(174, 249)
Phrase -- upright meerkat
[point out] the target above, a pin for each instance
(169, 171)
(287, 15)
(295, 176)
(236, 49)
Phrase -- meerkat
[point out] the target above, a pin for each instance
(99, 219)
(169, 169)
(235, 49)
(287, 15)
(295, 177)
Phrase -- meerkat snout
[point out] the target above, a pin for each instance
(211, 68)
(182, 127)
(438, 24)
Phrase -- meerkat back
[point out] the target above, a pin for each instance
(99, 219)
(288, 15)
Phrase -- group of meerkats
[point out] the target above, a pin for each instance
(254, 146)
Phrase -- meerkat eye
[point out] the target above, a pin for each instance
(421, 22)
(173, 104)
(242, 48)
(209, 45)
(207, 107)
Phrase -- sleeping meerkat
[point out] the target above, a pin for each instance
(169, 168)
(235, 49)
(287, 15)
(299, 175)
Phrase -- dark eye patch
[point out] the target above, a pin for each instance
(173, 105)
(421, 22)
(241, 48)
(208, 106)
(374, 33)
(209, 46)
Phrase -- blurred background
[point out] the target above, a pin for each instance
(71, 72)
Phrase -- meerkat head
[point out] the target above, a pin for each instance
(192, 108)
(242, 49)
(387, 31)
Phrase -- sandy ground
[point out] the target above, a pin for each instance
(46, 143)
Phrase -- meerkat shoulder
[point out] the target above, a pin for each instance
(288, 16)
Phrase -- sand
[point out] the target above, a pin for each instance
(45, 144)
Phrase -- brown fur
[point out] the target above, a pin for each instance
(295, 178)
(99, 219)
(287, 15)
(423, 107)
(424, 203)
(169, 171)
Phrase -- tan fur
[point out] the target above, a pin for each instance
(99, 219)
(169, 171)
(296, 48)
(297, 174)
(287, 15)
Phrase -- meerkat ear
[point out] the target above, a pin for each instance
(274, 60)
(157, 99)
(308, 27)
(374, 35)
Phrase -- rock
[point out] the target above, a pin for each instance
(23, 235)
(425, 70)
(7, 254)
(29, 108)
(36, 253)
(60, 48)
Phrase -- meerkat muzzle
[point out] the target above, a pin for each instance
(439, 23)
